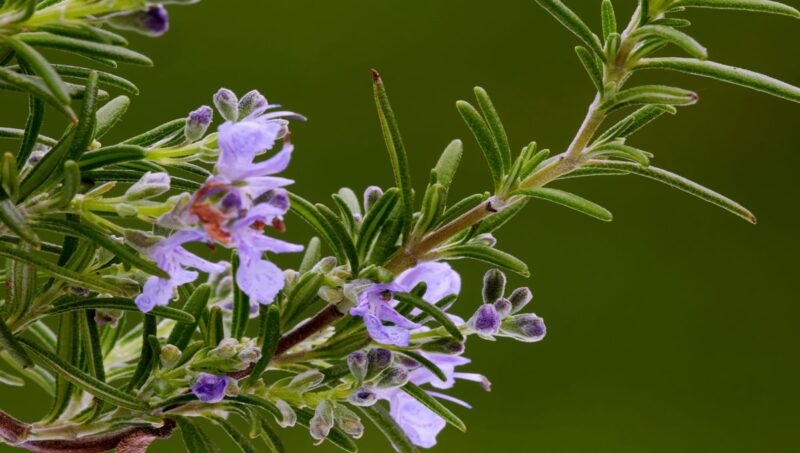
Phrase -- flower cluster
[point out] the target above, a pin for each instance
(237, 202)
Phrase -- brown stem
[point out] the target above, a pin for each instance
(12, 430)
(130, 440)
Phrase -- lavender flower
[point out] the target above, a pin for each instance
(151, 21)
(210, 388)
(376, 302)
(173, 259)
(197, 123)
(526, 327)
(486, 321)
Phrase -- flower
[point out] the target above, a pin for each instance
(173, 259)
(151, 21)
(486, 321)
(376, 302)
(210, 388)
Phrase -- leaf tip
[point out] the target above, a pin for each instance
(376, 76)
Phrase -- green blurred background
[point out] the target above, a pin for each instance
(674, 328)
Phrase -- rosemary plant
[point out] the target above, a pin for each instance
(134, 337)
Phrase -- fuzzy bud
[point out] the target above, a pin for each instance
(307, 380)
(288, 415)
(148, 186)
(107, 316)
(197, 123)
(485, 240)
(325, 265)
(358, 364)
(526, 327)
(322, 421)
(227, 104)
(330, 294)
(251, 102)
(519, 299)
(151, 21)
(379, 360)
(448, 345)
(494, 285)
(363, 396)
(170, 354)
(393, 377)
(140, 239)
(371, 195)
(485, 322)
(503, 307)
(348, 421)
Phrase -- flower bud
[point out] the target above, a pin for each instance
(226, 349)
(330, 294)
(485, 322)
(358, 364)
(151, 21)
(307, 380)
(519, 299)
(526, 327)
(125, 210)
(251, 102)
(503, 307)
(140, 239)
(325, 265)
(227, 104)
(148, 186)
(448, 345)
(485, 240)
(393, 377)
(379, 360)
(363, 396)
(371, 195)
(197, 123)
(348, 421)
(322, 421)
(494, 285)
(288, 415)
(210, 388)
(170, 354)
(107, 316)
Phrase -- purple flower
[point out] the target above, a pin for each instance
(210, 388)
(486, 321)
(197, 123)
(376, 302)
(526, 327)
(151, 21)
(173, 259)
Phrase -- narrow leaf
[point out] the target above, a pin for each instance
(573, 23)
(569, 200)
(311, 256)
(68, 304)
(485, 139)
(426, 363)
(36, 87)
(10, 344)
(447, 165)
(272, 332)
(145, 364)
(381, 418)
(677, 37)
(42, 68)
(434, 405)
(306, 211)
(495, 126)
(434, 312)
(68, 348)
(240, 314)
(635, 121)
(32, 127)
(651, 94)
(15, 221)
(84, 48)
(195, 439)
(609, 18)
(760, 6)
(157, 134)
(489, 255)
(110, 114)
(375, 219)
(623, 152)
(111, 155)
(71, 185)
(589, 62)
(181, 334)
(340, 232)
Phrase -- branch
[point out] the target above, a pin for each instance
(130, 440)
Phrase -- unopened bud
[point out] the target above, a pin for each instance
(485, 240)
(449, 346)
(322, 421)
(288, 415)
(503, 307)
(393, 377)
(494, 285)
(170, 354)
(107, 316)
(330, 294)
(148, 186)
(251, 102)
(371, 195)
(227, 104)
(379, 360)
(526, 327)
(226, 349)
(151, 21)
(197, 123)
(485, 322)
(363, 396)
(307, 380)
(348, 421)
(125, 210)
(325, 265)
(358, 364)
(519, 299)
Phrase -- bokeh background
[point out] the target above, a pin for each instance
(674, 328)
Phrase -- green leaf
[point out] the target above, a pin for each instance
(106, 79)
(111, 155)
(271, 437)
(306, 211)
(573, 23)
(495, 126)
(51, 163)
(652, 95)
(311, 256)
(157, 134)
(272, 332)
(426, 363)
(635, 121)
(195, 438)
(569, 200)
(16, 222)
(145, 364)
(302, 293)
(240, 314)
(375, 219)
(678, 182)
(625, 152)
(242, 441)
(11, 380)
(447, 165)
(84, 48)
(80, 30)
(340, 231)
(584, 172)
(32, 127)
(84, 131)
(679, 38)
(68, 304)
(36, 87)
(82, 380)
(10, 344)
(387, 241)
(110, 114)
(497, 220)
(216, 327)
(42, 68)
(92, 351)
(434, 405)
(72, 184)
(483, 135)
(381, 418)
(432, 207)
(397, 151)
(68, 348)
(434, 312)
(83, 231)
(760, 6)
(20, 286)
(195, 305)
(132, 176)
(531, 165)
(589, 62)
(609, 18)
(730, 74)
(336, 436)
(644, 9)
(488, 255)
(345, 213)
